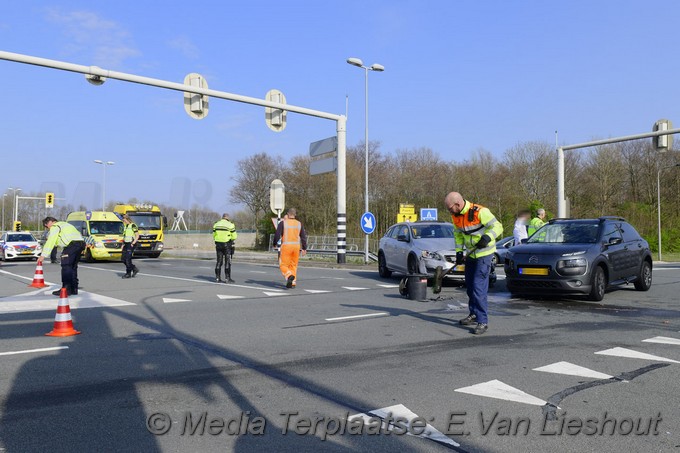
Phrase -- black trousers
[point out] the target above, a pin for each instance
(224, 253)
(70, 257)
(126, 257)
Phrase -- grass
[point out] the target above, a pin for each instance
(668, 256)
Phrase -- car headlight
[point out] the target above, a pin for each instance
(10, 248)
(432, 255)
(38, 249)
(99, 244)
(580, 252)
(573, 266)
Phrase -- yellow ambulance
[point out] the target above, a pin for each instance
(103, 234)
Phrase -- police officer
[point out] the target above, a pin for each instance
(66, 236)
(537, 222)
(475, 229)
(130, 239)
(224, 234)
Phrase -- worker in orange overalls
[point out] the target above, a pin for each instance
(293, 245)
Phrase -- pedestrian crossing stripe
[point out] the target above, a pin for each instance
(502, 391)
(663, 340)
(632, 354)
(401, 412)
(572, 370)
(44, 300)
(226, 296)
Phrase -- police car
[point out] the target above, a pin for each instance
(19, 245)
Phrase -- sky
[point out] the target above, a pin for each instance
(460, 76)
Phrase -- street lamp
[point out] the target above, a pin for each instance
(104, 163)
(378, 68)
(16, 210)
(4, 195)
(658, 200)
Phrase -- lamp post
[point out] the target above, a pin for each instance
(658, 200)
(16, 208)
(378, 68)
(4, 195)
(105, 164)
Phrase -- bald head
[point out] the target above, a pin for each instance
(454, 202)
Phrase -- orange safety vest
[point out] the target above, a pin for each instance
(291, 232)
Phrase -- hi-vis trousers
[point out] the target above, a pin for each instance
(290, 256)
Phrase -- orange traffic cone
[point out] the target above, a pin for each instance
(38, 278)
(63, 325)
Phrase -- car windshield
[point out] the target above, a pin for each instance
(432, 231)
(147, 221)
(103, 227)
(20, 238)
(566, 233)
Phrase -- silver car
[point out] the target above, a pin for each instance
(418, 248)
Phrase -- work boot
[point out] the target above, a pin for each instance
(289, 282)
(127, 276)
(470, 320)
(229, 280)
(135, 271)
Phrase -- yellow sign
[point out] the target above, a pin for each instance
(49, 200)
(407, 218)
(406, 209)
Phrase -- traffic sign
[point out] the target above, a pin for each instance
(49, 200)
(275, 118)
(407, 218)
(277, 196)
(328, 165)
(196, 105)
(406, 209)
(428, 214)
(325, 146)
(368, 223)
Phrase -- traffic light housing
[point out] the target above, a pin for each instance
(49, 200)
(17, 225)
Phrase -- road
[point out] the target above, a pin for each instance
(172, 361)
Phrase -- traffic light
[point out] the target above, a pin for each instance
(49, 200)
(17, 225)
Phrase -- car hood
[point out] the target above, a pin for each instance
(549, 249)
(436, 244)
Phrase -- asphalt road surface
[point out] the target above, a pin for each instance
(172, 361)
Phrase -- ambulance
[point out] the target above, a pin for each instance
(151, 224)
(103, 234)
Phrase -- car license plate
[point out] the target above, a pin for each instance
(27, 252)
(533, 270)
(145, 245)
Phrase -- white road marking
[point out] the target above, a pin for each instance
(257, 272)
(631, 354)
(25, 278)
(382, 313)
(401, 411)
(226, 296)
(499, 390)
(317, 291)
(268, 293)
(27, 351)
(353, 288)
(663, 340)
(572, 370)
(389, 286)
(169, 300)
(43, 300)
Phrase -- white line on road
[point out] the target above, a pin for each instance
(382, 313)
(27, 351)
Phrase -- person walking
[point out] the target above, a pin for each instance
(66, 236)
(293, 239)
(476, 230)
(130, 240)
(537, 222)
(519, 232)
(224, 234)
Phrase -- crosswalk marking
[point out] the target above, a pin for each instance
(663, 340)
(43, 300)
(632, 354)
(500, 390)
(572, 370)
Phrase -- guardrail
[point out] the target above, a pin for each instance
(322, 245)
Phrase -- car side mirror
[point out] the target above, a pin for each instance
(402, 238)
(524, 241)
(614, 241)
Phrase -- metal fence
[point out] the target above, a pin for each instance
(321, 244)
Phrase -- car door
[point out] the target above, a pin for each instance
(402, 248)
(634, 249)
(615, 250)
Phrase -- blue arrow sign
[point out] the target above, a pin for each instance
(368, 223)
(429, 214)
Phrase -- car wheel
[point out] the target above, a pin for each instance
(383, 271)
(599, 284)
(88, 256)
(412, 265)
(644, 280)
(495, 259)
